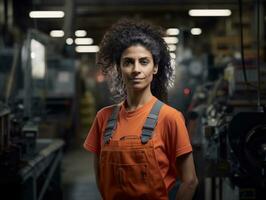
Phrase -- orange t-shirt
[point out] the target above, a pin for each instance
(170, 135)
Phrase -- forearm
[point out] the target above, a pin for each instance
(188, 177)
(96, 170)
(97, 180)
(186, 191)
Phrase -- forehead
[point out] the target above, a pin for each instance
(136, 51)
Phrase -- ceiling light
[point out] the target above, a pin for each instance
(195, 31)
(172, 47)
(32, 55)
(38, 64)
(57, 33)
(84, 41)
(87, 49)
(172, 64)
(173, 56)
(172, 31)
(46, 14)
(209, 12)
(69, 41)
(80, 33)
(171, 40)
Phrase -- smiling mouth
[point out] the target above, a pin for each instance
(136, 79)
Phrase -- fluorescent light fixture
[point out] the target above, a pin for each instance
(171, 40)
(172, 31)
(172, 47)
(195, 31)
(87, 49)
(209, 12)
(69, 41)
(80, 33)
(57, 33)
(32, 55)
(83, 41)
(37, 52)
(46, 14)
(172, 55)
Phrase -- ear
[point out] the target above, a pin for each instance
(155, 69)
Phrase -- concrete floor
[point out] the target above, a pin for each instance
(78, 176)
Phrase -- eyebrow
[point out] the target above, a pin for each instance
(130, 58)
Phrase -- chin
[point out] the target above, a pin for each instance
(138, 88)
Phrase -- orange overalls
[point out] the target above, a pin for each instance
(128, 167)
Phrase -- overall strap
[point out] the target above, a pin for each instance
(151, 121)
(111, 125)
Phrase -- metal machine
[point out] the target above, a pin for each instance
(229, 130)
(28, 165)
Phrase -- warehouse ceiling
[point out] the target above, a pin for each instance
(95, 16)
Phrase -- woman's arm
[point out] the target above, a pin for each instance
(188, 178)
(96, 168)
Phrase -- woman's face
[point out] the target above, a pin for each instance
(137, 68)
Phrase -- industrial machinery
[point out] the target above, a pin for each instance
(248, 143)
(228, 129)
(28, 165)
(61, 100)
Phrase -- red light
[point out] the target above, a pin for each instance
(100, 78)
(186, 91)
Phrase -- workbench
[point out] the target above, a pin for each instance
(38, 177)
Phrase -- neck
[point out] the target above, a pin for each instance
(137, 99)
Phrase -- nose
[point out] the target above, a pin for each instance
(136, 67)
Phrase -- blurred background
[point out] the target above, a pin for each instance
(51, 89)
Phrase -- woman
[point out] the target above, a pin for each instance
(140, 145)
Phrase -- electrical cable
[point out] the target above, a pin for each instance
(241, 42)
(258, 51)
(248, 84)
(242, 46)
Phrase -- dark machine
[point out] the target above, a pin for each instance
(229, 130)
(29, 167)
(61, 100)
(247, 139)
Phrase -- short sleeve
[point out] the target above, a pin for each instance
(177, 137)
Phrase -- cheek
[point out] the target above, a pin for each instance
(148, 74)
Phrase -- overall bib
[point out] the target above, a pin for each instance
(128, 167)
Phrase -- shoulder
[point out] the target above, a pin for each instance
(172, 123)
(170, 114)
(104, 113)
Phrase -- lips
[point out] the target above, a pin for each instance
(136, 80)
(133, 79)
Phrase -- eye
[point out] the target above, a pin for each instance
(126, 62)
(144, 61)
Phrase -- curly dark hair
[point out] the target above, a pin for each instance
(128, 32)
